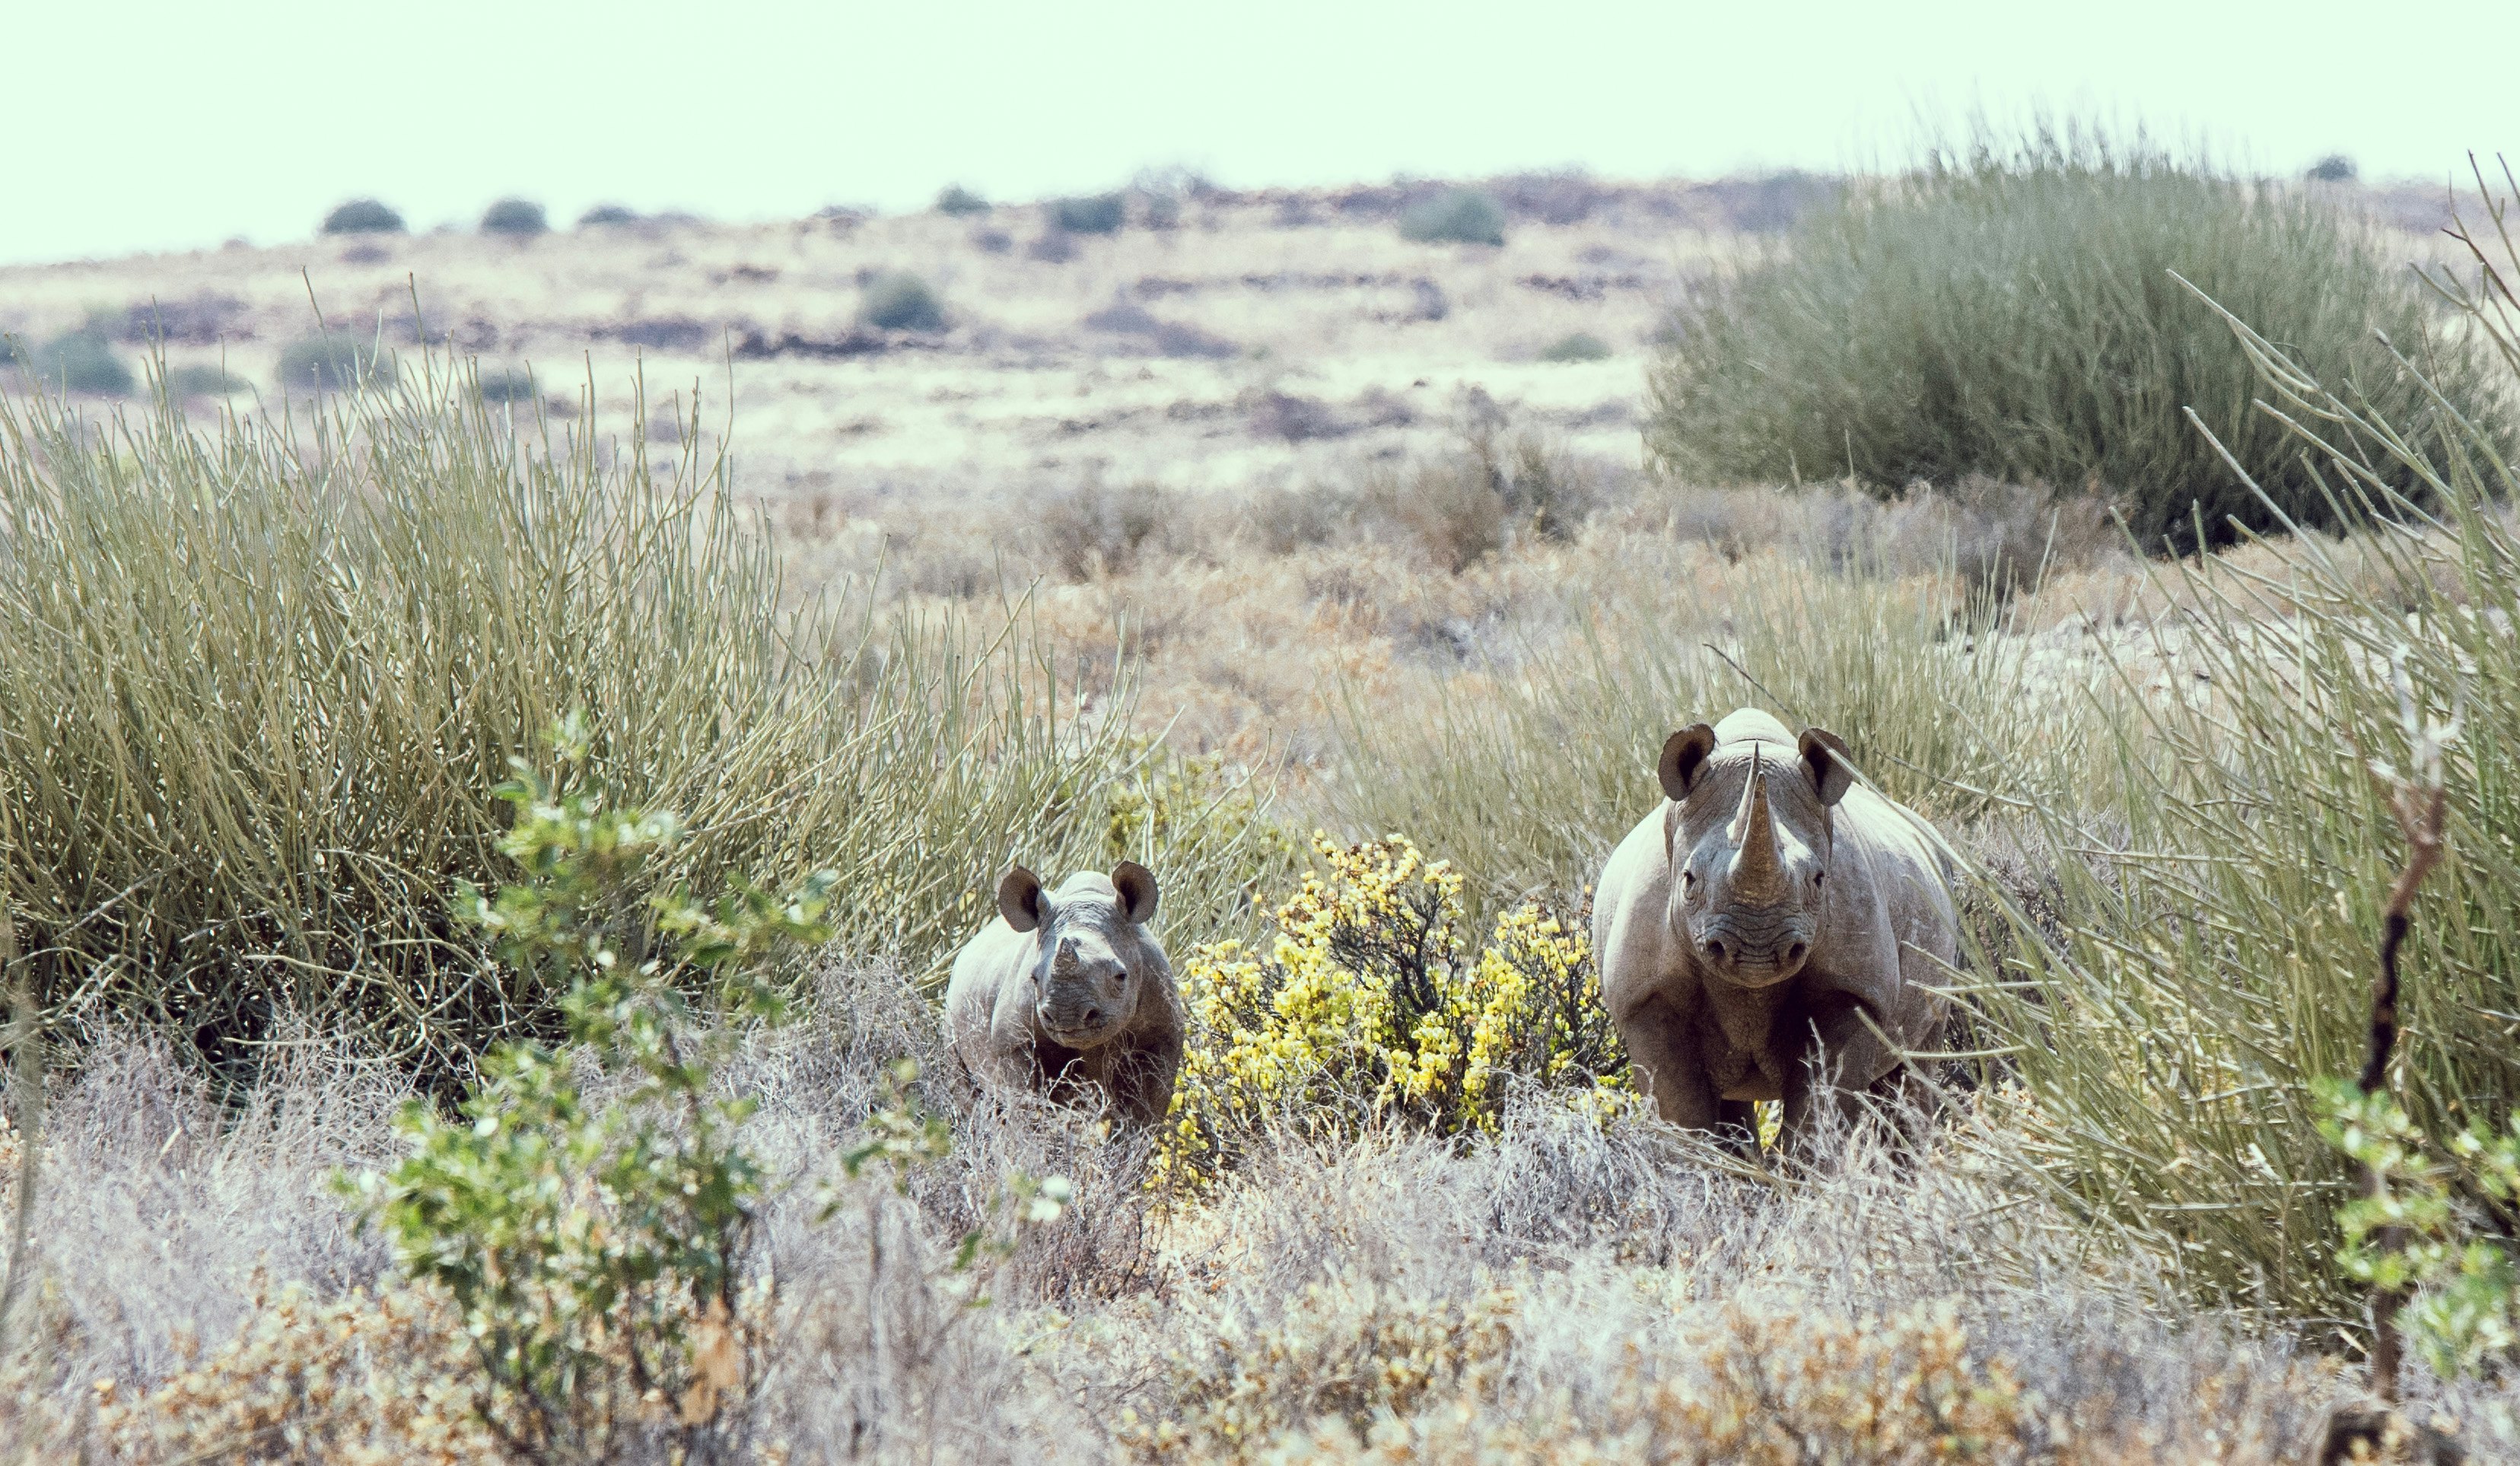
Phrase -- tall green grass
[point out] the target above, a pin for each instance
(2011, 310)
(1526, 785)
(2224, 958)
(261, 678)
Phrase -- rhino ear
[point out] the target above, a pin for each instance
(1684, 759)
(1826, 759)
(1019, 899)
(1137, 887)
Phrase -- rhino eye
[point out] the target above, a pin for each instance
(1818, 877)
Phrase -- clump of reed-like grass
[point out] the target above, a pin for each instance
(2170, 1042)
(263, 675)
(2011, 310)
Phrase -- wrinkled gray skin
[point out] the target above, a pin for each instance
(1748, 927)
(1068, 989)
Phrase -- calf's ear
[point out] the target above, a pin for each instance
(1137, 887)
(1019, 899)
(1684, 759)
(1826, 759)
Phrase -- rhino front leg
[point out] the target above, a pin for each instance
(1141, 1080)
(1664, 1058)
(1824, 1084)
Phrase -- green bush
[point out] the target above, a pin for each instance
(502, 384)
(900, 302)
(78, 360)
(335, 361)
(2217, 960)
(603, 215)
(1101, 213)
(597, 1253)
(202, 382)
(260, 671)
(1581, 346)
(959, 202)
(1461, 216)
(2335, 167)
(2014, 314)
(518, 218)
(363, 216)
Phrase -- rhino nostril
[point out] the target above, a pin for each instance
(1093, 1017)
(1715, 949)
(1794, 953)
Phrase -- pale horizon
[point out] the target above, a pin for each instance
(184, 127)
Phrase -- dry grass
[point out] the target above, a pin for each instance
(1567, 1292)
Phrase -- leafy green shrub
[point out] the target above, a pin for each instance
(1460, 216)
(77, 360)
(1580, 346)
(1100, 213)
(2335, 167)
(259, 670)
(596, 1254)
(1371, 1003)
(335, 361)
(958, 201)
(2015, 314)
(518, 218)
(363, 216)
(604, 215)
(900, 302)
(2217, 965)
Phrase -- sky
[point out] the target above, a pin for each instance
(152, 126)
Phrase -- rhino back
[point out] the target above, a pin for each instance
(1892, 924)
(998, 954)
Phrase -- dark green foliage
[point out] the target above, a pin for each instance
(1101, 213)
(518, 218)
(1581, 346)
(900, 302)
(2015, 314)
(508, 384)
(959, 201)
(335, 361)
(363, 216)
(604, 214)
(2335, 167)
(77, 361)
(1461, 216)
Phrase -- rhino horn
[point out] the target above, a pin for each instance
(1758, 877)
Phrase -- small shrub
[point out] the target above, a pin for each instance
(606, 215)
(1091, 530)
(1580, 346)
(2335, 167)
(333, 362)
(504, 385)
(1462, 216)
(199, 380)
(363, 216)
(2015, 313)
(900, 302)
(595, 1253)
(517, 218)
(959, 202)
(1371, 1003)
(1100, 213)
(78, 360)
(1450, 507)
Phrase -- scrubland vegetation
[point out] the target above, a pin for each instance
(480, 876)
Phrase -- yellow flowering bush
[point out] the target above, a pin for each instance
(1371, 1003)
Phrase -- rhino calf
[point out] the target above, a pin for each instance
(1069, 989)
(1763, 931)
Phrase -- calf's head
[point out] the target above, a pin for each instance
(1091, 961)
(1750, 834)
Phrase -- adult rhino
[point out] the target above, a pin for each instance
(1750, 927)
(1068, 989)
